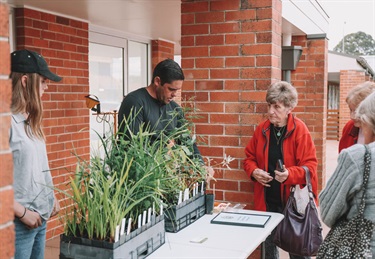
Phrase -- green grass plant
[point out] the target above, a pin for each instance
(134, 172)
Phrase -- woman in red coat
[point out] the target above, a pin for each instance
(281, 136)
(351, 133)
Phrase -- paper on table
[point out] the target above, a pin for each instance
(241, 219)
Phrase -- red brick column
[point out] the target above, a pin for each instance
(310, 79)
(6, 172)
(64, 44)
(230, 54)
(348, 80)
(160, 50)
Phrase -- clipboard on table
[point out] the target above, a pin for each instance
(241, 219)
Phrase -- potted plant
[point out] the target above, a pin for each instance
(134, 178)
(115, 208)
(212, 168)
(185, 189)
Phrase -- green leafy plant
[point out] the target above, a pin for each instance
(213, 166)
(134, 172)
(102, 198)
(168, 154)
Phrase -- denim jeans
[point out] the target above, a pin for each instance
(30, 243)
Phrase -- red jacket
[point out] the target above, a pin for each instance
(298, 150)
(349, 135)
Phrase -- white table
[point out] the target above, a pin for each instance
(223, 241)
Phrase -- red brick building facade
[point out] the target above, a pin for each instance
(6, 172)
(231, 52)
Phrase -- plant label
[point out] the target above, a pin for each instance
(122, 230)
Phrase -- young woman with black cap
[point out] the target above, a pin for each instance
(35, 201)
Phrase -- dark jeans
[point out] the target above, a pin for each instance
(272, 251)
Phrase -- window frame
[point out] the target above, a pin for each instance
(119, 39)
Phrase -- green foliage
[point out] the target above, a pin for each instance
(359, 44)
(134, 173)
(170, 157)
(102, 199)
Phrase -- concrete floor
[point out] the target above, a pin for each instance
(53, 245)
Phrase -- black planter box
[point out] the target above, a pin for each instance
(137, 245)
(180, 216)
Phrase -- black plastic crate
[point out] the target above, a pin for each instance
(137, 245)
(180, 216)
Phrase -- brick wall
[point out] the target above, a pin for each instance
(310, 79)
(230, 54)
(64, 44)
(6, 172)
(160, 50)
(348, 80)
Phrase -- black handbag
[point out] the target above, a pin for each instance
(300, 234)
(351, 238)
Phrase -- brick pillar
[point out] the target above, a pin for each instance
(310, 79)
(6, 172)
(64, 44)
(160, 50)
(348, 80)
(230, 54)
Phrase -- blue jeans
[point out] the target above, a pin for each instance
(30, 243)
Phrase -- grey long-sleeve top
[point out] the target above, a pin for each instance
(342, 194)
(33, 186)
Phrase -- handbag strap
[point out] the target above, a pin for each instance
(366, 176)
(308, 181)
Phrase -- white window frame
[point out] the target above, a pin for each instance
(113, 38)
(120, 39)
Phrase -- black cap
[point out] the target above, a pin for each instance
(27, 61)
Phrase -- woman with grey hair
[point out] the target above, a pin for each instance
(352, 133)
(342, 194)
(282, 136)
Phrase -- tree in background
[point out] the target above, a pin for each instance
(359, 44)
